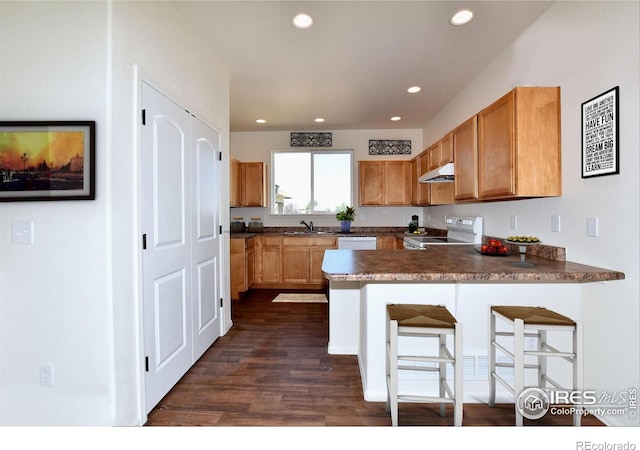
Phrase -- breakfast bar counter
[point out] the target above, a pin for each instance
(454, 263)
(363, 282)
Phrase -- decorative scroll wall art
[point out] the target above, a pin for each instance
(386, 147)
(600, 153)
(302, 139)
(47, 161)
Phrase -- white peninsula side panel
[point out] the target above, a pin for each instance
(357, 323)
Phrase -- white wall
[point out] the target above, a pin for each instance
(54, 301)
(257, 146)
(586, 48)
(72, 298)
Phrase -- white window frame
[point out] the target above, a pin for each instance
(272, 185)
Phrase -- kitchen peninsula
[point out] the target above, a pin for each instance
(362, 282)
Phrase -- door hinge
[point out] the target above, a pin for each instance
(144, 117)
(146, 363)
(220, 156)
(144, 241)
(221, 302)
(220, 229)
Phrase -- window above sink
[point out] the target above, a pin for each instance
(318, 182)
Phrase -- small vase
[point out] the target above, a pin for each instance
(345, 226)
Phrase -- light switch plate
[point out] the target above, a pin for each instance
(592, 226)
(555, 223)
(22, 232)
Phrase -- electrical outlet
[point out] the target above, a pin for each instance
(555, 223)
(514, 222)
(46, 374)
(363, 217)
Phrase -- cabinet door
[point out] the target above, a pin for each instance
(386, 243)
(237, 267)
(446, 149)
(254, 190)
(415, 186)
(465, 149)
(295, 264)
(397, 176)
(235, 183)
(442, 193)
(316, 255)
(434, 156)
(496, 149)
(268, 260)
(271, 265)
(371, 183)
(250, 263)
(424, 189)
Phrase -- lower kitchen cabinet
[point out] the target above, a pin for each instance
(386, 243)
(287, 262)
(302, 259)
(243, 257)
(269, 259)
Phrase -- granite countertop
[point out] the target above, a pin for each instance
(355, 231)
(454, 263)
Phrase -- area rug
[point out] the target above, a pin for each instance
(300, 298)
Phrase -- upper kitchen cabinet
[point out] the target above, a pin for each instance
(465, 148)
(420, 192)
(519, 145)
(441, 152)
(248, 184)
(235, 175)
(384, 183)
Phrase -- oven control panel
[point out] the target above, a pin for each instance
(469, 224)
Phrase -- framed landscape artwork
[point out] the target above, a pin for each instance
(47, 161)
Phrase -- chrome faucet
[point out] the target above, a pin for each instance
(309, 225)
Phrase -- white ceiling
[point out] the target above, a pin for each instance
(354, 65)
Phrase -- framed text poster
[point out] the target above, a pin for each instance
(600, 154)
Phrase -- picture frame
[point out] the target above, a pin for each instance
(389, 147)
(47, 160)
(600, 131)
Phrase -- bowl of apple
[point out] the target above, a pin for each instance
(493, 247)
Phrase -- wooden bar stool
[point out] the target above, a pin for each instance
(534, 322)
(424, 321)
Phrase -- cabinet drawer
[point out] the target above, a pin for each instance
(307, 241)
(272, 240)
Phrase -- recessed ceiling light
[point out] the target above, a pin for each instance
(462, 17)
(414, 89)
(396, 118)
(261, 121)
(302, 21)
(319, 120)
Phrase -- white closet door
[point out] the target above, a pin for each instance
(205, 182)
(166, 260)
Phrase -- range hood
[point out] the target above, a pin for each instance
(439, 175)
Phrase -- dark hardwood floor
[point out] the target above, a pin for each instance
(272, 369)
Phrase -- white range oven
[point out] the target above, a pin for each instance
(460, 231)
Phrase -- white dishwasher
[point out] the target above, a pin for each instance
(356, 243)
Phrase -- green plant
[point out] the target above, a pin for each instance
(348, 214)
